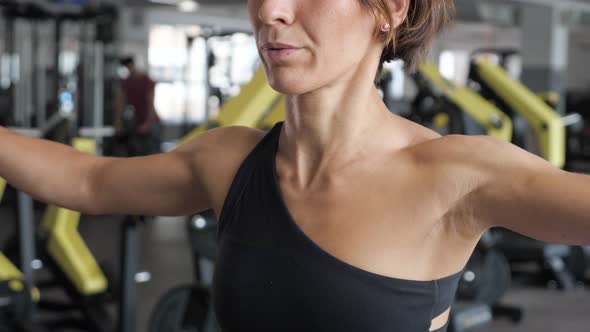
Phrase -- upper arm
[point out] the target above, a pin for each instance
(186, 180)
(215, 157)
(523, 192)
(162, 184)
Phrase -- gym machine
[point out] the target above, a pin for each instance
(578, 151)
(23, 93)
(17, 295)
(449, 108)
(72, 79)
(24, 73)
(74, 270)
(256, 106)
(73, 94)
(189, 307)
(563, 266)
(214, 87)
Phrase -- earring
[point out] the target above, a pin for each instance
(385, 27)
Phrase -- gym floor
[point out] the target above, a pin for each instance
(166, 255)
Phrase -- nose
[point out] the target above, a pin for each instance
(276, 12)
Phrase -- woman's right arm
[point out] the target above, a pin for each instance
(179, 182)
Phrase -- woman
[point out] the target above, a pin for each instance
(345, 216)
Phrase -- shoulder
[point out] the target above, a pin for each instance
(483, 170)
(216, 155)
(476, 161)
(229, 141)
(471, 150)
(456, 168)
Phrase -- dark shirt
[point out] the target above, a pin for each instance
(136, 90)
(270, 276)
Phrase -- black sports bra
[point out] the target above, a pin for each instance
(270, 276)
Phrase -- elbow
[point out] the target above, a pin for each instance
(89, 202)
(89, 192)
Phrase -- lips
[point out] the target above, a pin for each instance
(280, 53)
(278, 46)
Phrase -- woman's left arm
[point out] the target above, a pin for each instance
(526, 194)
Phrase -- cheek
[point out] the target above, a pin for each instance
(343, 34)
(253, 8)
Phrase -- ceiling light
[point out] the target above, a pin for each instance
(164, 2)
(187, 6)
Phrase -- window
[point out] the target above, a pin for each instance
(184, 72)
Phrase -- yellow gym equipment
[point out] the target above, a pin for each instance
(513, 97)
(495, 122)
(16, 296)
(8, 271)
(67, 247)
(257, 106)
(74, 270)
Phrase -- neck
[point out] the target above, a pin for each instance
(331, 127)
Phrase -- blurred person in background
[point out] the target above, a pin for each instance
(135, 120)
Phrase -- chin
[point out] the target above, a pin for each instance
(289, 83)
(288, 89)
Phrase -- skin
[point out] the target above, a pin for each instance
(371, 188)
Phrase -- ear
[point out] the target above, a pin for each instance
(400, 11)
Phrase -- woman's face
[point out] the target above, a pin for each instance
(308, 44)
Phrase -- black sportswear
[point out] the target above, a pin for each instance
(270, 276)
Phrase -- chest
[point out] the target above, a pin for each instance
(359, 224)
(259, 290)
(389, 223)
